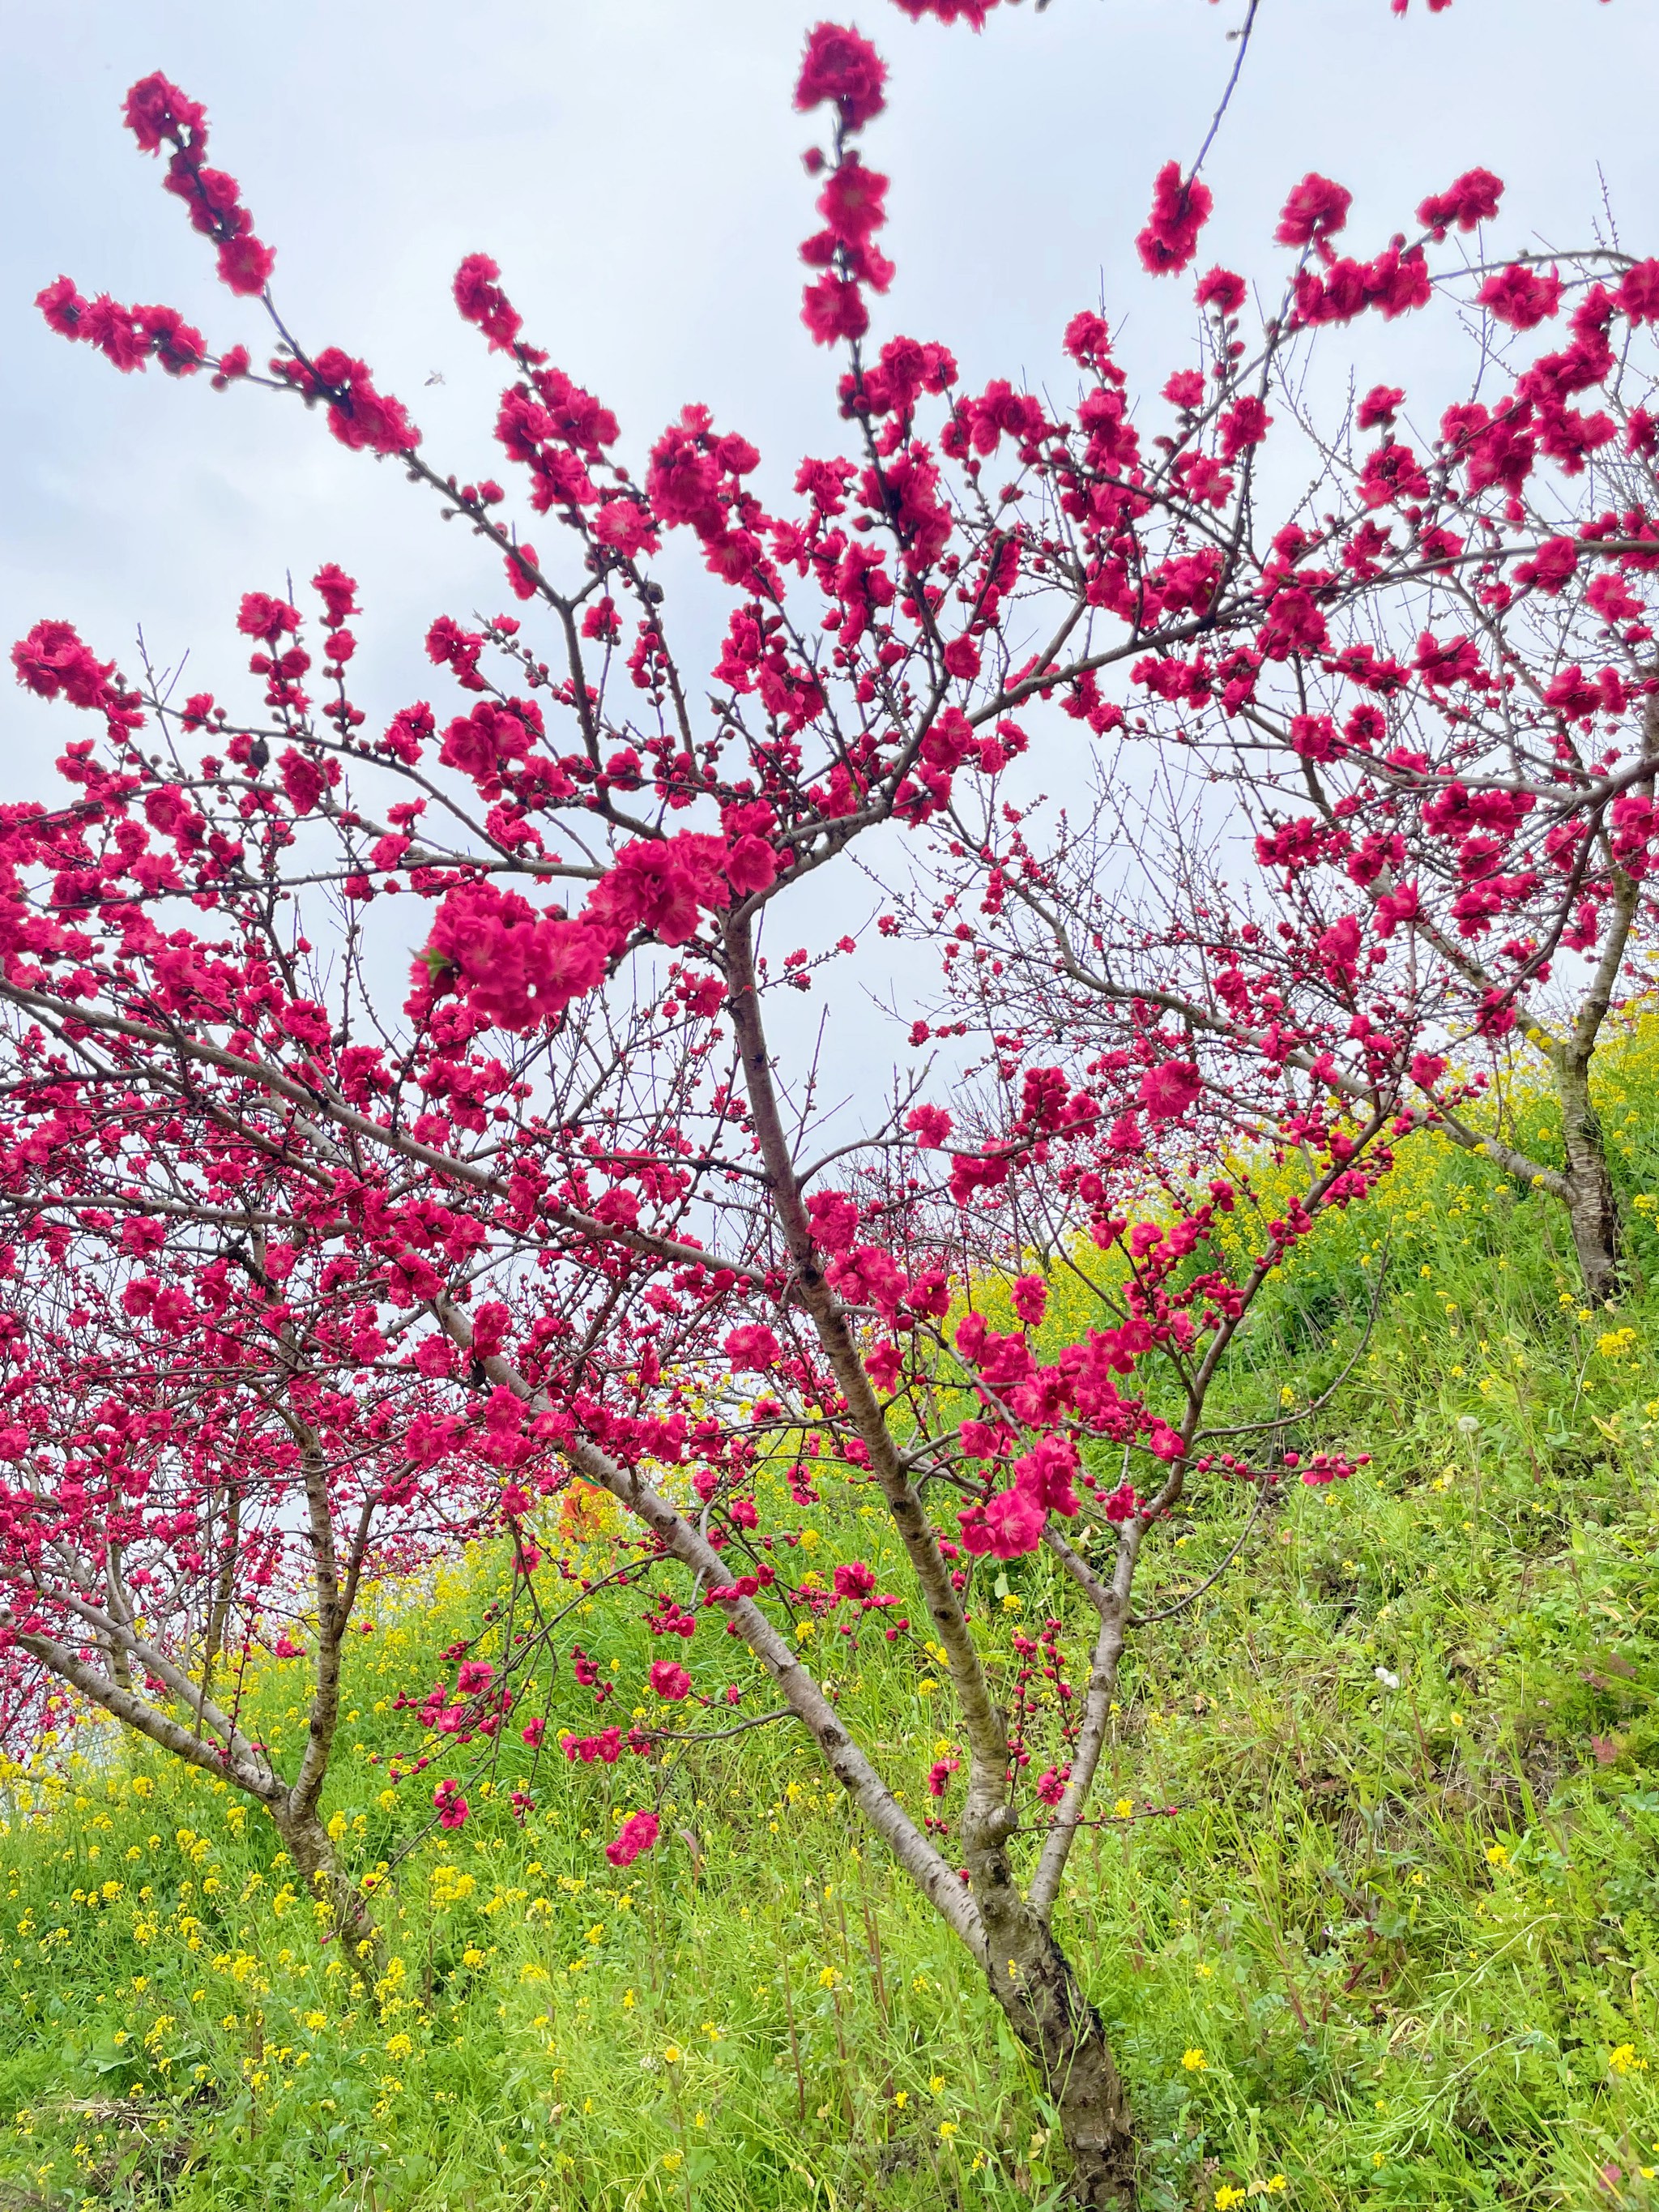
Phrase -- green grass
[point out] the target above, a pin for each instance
(1360, 1944)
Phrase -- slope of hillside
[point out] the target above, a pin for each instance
(1373, 1905)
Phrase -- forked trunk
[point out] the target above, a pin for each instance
(1031, 1978)
(1592, 1206)
(306, 1843)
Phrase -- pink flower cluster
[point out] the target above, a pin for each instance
(605, 1748)
(670, 1680)
(844, 69)
(1181, 207)
(481, 300)
(517, 968)
(129, 337)
(451, 1805)
(158, 113)
(1010, 1523)
(638, 1833)
(362, 418)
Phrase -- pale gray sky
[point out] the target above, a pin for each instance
(634, 164)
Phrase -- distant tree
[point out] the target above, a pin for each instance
(213, 1443)
(1439, 745)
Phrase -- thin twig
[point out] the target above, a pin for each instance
(1264, 1490)
(1233, 86)
(714, 1736)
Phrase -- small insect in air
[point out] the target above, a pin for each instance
(436, 377)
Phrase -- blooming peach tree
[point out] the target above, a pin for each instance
(1439, 745)
(211, 1440)
(581, 1213)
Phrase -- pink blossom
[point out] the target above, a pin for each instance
(63, 306)
(52, 660)
(626, 525)
(482, 301)
(360, 416)
(833, 310)
(753, 1347)
(260, 616)
(1046, 1474)
(1470, 199)
(841, 66)
(834, 1218)
(1316, 209)
(851, 202)
(1007, 1526)
(884, 1365)
(1221, 289)
(155, 109)
(1639, 292)
(516, 967)
(660, 885)
(637, 1834)
(338, 591)
(751, 866)
(1180, 211)
(1167, 1092)
(971, 12)
(604, 1749)
(1377, 408)
(1521, 298)
(929, 1125)
(245, 266)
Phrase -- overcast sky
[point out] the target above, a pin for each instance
(634, 164)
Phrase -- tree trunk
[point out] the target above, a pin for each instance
(306, 1843)
(1592, 1207)
(1032, 1980)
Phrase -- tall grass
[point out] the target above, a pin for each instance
(1373, 1907)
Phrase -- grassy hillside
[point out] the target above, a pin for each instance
(1374, 1911)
